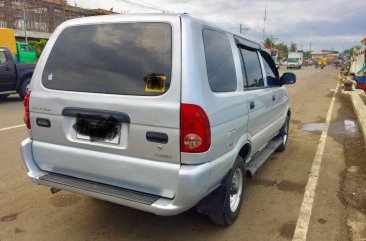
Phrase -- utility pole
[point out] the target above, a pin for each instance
(25, 23)
(242, 28)
(310, 46)
(272, 38)
(264, 20)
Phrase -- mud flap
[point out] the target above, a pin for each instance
(214, 203)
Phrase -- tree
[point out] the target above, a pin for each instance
(268, 43)
(38, 46)
(293, 47)
(283, 50)
(281, 46)
(348, 51)
(307, 55)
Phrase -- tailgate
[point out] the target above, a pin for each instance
(105, 104)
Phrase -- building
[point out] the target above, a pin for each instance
(320, 55)
(40, 17)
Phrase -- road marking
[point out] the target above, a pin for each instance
(307, 204)
(11, 127)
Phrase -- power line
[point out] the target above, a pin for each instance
(153, 6)
(241, 28)
(144, 5)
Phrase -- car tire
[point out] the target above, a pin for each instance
(283, 135)
(3, 97)
(234, 190)
(22, 91)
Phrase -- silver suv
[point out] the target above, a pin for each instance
(158, 112)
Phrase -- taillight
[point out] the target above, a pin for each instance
(26, 116)
(195, 130)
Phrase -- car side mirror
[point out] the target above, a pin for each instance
(288, 78)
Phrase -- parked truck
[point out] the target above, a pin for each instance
(22, 52)
(14, 78)
(295, 60)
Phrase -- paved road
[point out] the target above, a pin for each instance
(273, 196)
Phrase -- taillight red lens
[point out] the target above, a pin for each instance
(26, 116)
(195, 130)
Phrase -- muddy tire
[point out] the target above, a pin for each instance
(284, 135)
(234, 189)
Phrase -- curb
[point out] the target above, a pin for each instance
(358, 98)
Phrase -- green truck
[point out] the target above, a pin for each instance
(25, 54)
(22, 52)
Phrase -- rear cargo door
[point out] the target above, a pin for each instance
(105, 104)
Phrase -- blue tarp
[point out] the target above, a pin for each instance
(360, 79)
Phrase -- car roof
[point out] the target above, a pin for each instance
(154, 17)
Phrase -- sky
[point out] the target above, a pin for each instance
(332, 24)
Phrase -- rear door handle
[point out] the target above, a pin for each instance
(157, 137)
(252, 105)
(7, 68)
(95, 114)
(273, 97)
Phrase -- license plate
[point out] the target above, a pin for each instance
(106, 131)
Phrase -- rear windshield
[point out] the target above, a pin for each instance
(117, 58)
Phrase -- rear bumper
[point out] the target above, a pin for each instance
(194, 183)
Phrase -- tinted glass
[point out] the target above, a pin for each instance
(2, 57)
(219, 61)
(245, 81)
(270, 69)
(118, 58)
(252, 68)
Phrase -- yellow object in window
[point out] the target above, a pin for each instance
(155, 83)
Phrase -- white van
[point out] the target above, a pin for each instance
(295, 60)
(158, 112)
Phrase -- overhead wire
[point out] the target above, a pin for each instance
(144, 5)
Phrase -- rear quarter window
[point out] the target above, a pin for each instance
(116, 58)
(219, 61)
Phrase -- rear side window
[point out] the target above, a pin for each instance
(252, 68)
(25, 48)
(117, 58)
(2, 57)
(219, 61)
